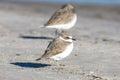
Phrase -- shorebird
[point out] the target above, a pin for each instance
(63, 19)
(59, 48)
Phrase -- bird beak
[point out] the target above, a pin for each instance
(74, 39)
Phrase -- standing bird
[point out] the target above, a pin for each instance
(64, 18)
(59, 48)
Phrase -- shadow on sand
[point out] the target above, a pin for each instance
(35, 37)
(30, 64)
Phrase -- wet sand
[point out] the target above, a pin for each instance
(95, 55)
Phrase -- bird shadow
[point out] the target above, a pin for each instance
(30, 64)
(35, 37)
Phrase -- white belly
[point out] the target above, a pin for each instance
(64, 53)
(65, 26)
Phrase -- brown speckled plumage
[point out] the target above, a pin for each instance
(62, 16)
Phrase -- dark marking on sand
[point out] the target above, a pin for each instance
(30, 64)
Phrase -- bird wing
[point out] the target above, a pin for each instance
(55, 47)
(59, 17)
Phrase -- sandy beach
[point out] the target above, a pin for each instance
(96, 53)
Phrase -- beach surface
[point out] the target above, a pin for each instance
(96, 53)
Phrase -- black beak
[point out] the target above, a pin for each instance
(74, 39)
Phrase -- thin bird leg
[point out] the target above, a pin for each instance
(56, 33)
(60, 31)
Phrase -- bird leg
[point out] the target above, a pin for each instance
(57, 32)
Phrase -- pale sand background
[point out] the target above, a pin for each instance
(96, 52)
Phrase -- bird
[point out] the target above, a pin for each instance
(63, 19)
(59, 48)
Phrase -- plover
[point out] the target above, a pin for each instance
(59, 48)
(64, 18)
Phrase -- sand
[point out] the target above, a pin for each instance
(96, 53)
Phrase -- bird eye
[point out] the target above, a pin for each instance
(67, 37)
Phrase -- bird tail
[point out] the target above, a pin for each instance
(38, 59)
